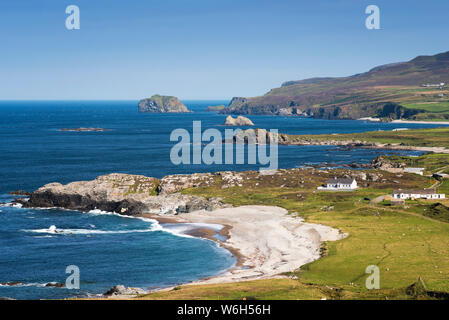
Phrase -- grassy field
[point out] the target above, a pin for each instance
(431, 107)
(404, 242)
(437, 137)
(432, 162)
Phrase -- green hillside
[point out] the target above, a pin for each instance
(399, 86)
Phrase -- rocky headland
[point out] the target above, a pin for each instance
(126, 194)
(162, 104)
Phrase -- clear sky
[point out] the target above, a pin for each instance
(202, 49)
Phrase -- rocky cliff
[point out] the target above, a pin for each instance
(162, 104)
(126, 194)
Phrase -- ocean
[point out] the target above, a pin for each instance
(110, 249)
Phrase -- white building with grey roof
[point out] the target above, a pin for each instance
(343, 184)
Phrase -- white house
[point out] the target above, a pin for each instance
(340, 184)
(419, 171)
(417, 194)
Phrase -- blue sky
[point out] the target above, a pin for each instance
(202, 49)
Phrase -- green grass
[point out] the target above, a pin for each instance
(432, 162)
(404, 242)
(444, 188)
(431, 107)
(436, 137)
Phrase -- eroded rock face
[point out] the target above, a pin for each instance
(162, 104)
(239, 121)
(125, 194)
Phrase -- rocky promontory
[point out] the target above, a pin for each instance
(127, 194)
(239, 121)
(162, 104)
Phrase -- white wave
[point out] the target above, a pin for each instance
(155, 225)
(53, 230)
(11, 205)
(179, 230)
(30, 284)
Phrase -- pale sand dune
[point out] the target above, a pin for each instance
(269, 241)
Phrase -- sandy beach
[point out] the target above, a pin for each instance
(421, 122)
(266, 240)
(371, 119)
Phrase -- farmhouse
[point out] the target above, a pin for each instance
(417, 194)
(340, 184)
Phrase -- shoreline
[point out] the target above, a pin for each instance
(371, 119)
(421, 122)
(265, 240)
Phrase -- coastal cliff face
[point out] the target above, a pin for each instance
(393, 91)
(162, 104)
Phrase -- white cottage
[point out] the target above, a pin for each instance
(417, 194)
(340, 184)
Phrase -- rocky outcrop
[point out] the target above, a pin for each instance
(259, 136)
(162, 104)
(122, 290)
(177, 182)
(126, 194)
(239, 121)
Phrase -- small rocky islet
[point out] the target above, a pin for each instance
(162, 104)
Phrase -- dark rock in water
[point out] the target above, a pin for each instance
(11, 283)
(122, 290)
(84, 129)
(20, 193)
(162, 104)
(55, 284)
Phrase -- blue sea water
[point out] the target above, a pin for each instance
(111, 249)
